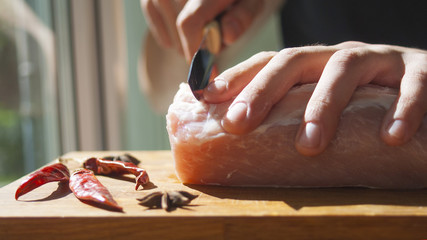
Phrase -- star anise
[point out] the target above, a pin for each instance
(167, 200)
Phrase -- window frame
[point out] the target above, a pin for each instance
(99, 59)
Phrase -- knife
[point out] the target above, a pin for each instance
(203, 60)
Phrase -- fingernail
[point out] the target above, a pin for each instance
(217, 86)
(310, 136)
(237, 112)
(397, 129)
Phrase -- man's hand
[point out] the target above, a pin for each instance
(179, 23)
(259, 82)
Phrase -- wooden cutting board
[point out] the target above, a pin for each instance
(218, 213)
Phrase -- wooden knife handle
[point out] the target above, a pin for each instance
(212, 34)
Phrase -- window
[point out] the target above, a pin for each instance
(69, 81)
(28, 110)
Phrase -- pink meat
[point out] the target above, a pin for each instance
(205, 154)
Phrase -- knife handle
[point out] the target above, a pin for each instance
(212, 35)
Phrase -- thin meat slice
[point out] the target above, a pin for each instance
(205, 154)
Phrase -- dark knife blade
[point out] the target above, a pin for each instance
(200, 72)
(203, 60)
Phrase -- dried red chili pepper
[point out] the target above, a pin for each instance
(51, 173)
(106, 167)
(87, 188)
(123, 157)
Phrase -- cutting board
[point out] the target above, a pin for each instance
(50, 212)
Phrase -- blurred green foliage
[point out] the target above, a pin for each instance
(11, 165)
(11, 156)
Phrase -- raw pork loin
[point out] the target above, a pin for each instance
(205, 154)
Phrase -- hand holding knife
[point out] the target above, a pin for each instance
(203, 60)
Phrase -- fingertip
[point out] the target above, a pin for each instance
(235, 118)
(217, 86)
(309, 136)
(214, 90)
(309, 139)
(245, 115)
(395, 132)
